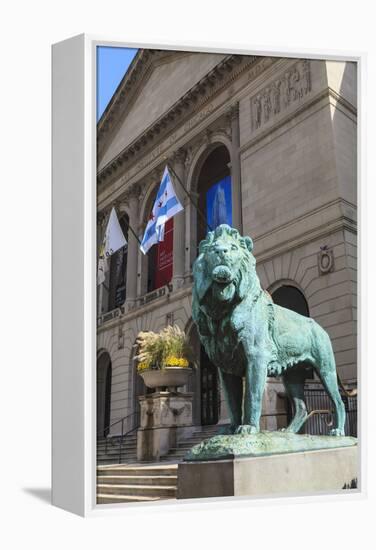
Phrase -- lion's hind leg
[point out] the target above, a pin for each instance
(293, 381)
(325, 366)
(328, 376)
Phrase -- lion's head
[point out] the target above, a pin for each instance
(224, 271)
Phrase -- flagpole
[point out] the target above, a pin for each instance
(134, 234)
(199, 211)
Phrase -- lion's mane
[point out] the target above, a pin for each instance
(244, 277)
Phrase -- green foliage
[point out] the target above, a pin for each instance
(156, 350)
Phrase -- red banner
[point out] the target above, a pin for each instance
(163, 272)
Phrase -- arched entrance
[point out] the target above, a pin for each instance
(290, 297)
(104, 380)
(214, 191)
(204, 384)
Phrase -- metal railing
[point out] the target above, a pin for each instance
(320, 419)
(132, 419)
(321, 415)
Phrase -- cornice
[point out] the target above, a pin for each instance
(138, 72)
(211, 84)
(139, 66)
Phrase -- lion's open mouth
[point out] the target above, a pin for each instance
(222, 275)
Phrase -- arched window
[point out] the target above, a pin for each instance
(292, 298)
(214, 192)
(118, 271)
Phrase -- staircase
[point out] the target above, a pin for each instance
(124, 483)
(178, 453)
(135, 482)
(128, 451)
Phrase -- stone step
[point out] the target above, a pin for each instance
(137, 480)
(115, 460)
(116, 445)
(137, 490)
(109, 447)
(125, 459)
(114, 499)
(116, 440)
(116, 452)
(138, 470)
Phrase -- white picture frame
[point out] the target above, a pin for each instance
(74, 268)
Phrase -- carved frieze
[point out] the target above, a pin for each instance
(200, 94)
(278, 96)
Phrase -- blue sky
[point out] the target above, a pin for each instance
(112, 64)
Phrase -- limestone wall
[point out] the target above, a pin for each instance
(297, 132)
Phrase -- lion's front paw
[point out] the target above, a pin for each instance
(246, 429)
(337, 432)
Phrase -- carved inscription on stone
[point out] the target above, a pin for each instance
(278, 96)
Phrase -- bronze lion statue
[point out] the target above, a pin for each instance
(247, 336)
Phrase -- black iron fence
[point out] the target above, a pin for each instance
(321, 421)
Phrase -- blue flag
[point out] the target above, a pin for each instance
(166, 205)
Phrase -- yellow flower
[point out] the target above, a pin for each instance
(142, 366)
(173, 361)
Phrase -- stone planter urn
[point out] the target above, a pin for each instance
(168, 377)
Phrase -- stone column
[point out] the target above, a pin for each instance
(179, 222)
(99, 288)
(191, 233)
(132, 199)
(102, 290)
(235, 168)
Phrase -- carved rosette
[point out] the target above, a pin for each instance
(325, 261)
(280, 94)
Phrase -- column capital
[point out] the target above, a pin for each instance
(233, 111)
(102, 217)
(133, 192)
(179, 156)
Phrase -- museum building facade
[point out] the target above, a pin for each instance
(266, 144)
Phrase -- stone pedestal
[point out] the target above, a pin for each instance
(308, 472)
(163, 413)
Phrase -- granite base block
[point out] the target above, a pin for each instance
(304, 472)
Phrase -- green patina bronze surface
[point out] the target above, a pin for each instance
(249, 338)
(264, 443)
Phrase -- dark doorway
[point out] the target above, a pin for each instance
(107, 401)
(290, 297)
(209, 390)
(104, 381)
